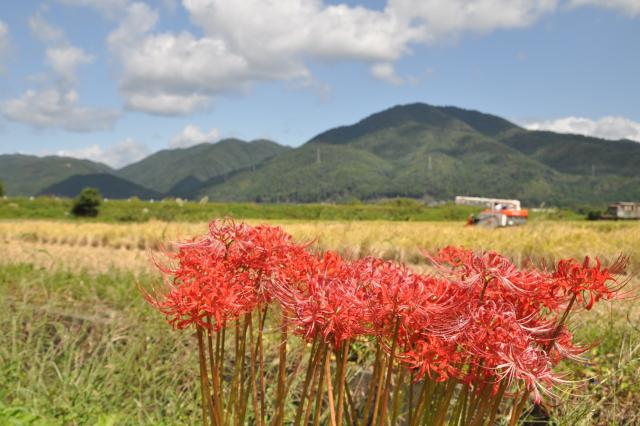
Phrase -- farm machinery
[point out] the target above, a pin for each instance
(498, 212)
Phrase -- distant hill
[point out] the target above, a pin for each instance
(416, 150)
(28, 174)
(576, 154)
(186, 168)
(110, 186)
(423, 151)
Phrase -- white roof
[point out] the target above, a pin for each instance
(482, 201)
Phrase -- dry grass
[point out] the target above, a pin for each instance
(95, 259)
(390, 240)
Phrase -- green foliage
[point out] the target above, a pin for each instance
(607, 385)
(421, 151)
(110, 186)
(178, 171)
(576, 154)
(411, 151)
(87, 203)
(84, 349)
(189, 211)
(29, 175)
(1, 189)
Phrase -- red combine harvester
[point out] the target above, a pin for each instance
(498, 213)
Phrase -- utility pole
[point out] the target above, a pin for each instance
(429, 169)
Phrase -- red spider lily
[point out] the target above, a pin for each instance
(326, 300)
(437, 358)
(482, 320)
(587, 283)
(510, 329)
(484, 270)
(563, 347)
(225, 274)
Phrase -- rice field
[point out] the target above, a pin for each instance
(80, 346)
(401, 241)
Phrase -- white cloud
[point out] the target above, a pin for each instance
(56, 104)
(44, 31)
(64, 61)
(606, 127)
(119, 155)
(434, 20)
(385, 71)
(628, 7)
(154, 101)
(192, 135)
(62, 57)
(58, 108)
(244, 41)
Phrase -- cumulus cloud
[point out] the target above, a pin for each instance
(239, 42)
(62, 57)
(628, 7)
(244, 41)
(606, 127)
(432, 20)
(57, 107)
(56, 104)
(119, 155)
(192, 135)
(386, 72)
(65, 59)
(44, 31)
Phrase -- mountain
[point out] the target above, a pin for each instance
(576, 154)
(110, 186)
(420, 150)
(28, 174)
(416, 150)
(429, 116)
(187, 168)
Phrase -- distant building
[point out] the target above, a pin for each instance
(623, 210)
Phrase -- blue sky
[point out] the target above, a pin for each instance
(113, 80)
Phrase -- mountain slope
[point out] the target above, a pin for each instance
(28, 174)
(414, 150)
(388, 163)
(110, 186)
(487, 124)
(298, 176)
(418, 113)
(165, 169)
(576, 154)
(419, 150)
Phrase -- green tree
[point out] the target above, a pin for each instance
(1, 189)
(86, 204)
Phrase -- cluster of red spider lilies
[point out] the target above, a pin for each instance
(369, 341)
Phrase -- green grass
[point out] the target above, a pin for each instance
(81, 348)
(170, 210)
